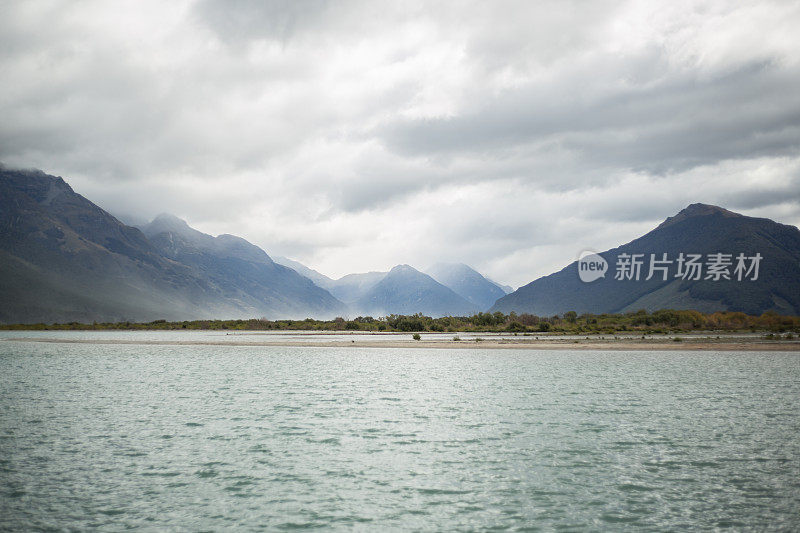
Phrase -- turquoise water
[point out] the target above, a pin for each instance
(217, 437)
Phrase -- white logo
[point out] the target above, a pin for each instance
(591, 266)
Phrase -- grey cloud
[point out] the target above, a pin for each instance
(759, 198)
(546, 122)
(666, 127)
(370, 193)
(244, 20)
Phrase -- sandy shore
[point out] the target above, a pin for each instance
(526, 344)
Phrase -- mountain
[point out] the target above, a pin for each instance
(319, 279)
(62, 258)
(507, 289)
(347, 289)
(353, 287)
(698, 229)
(467, 283)
(405, 291)
(241, 271)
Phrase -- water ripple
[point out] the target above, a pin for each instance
(278, 438)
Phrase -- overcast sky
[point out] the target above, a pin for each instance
(354, 136)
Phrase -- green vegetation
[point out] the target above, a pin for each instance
(641, 322)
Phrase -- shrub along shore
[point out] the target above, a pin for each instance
(641, 322)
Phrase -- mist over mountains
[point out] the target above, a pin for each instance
(405, 291)
(63, 258)
(363, 291)
(467, 283)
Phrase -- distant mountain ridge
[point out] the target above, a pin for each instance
(348, 288)
(321, 280)
(352, 287)
(507, 289)
(355, 289)
(467, 283)
(699, 229)
(405, 290)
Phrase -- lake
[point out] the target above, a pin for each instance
(287, 437)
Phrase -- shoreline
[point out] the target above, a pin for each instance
(550, 344)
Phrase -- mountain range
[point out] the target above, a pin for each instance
(463, 280)
(63, 258)
(243, 272)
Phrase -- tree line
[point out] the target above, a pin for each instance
(662, 321)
